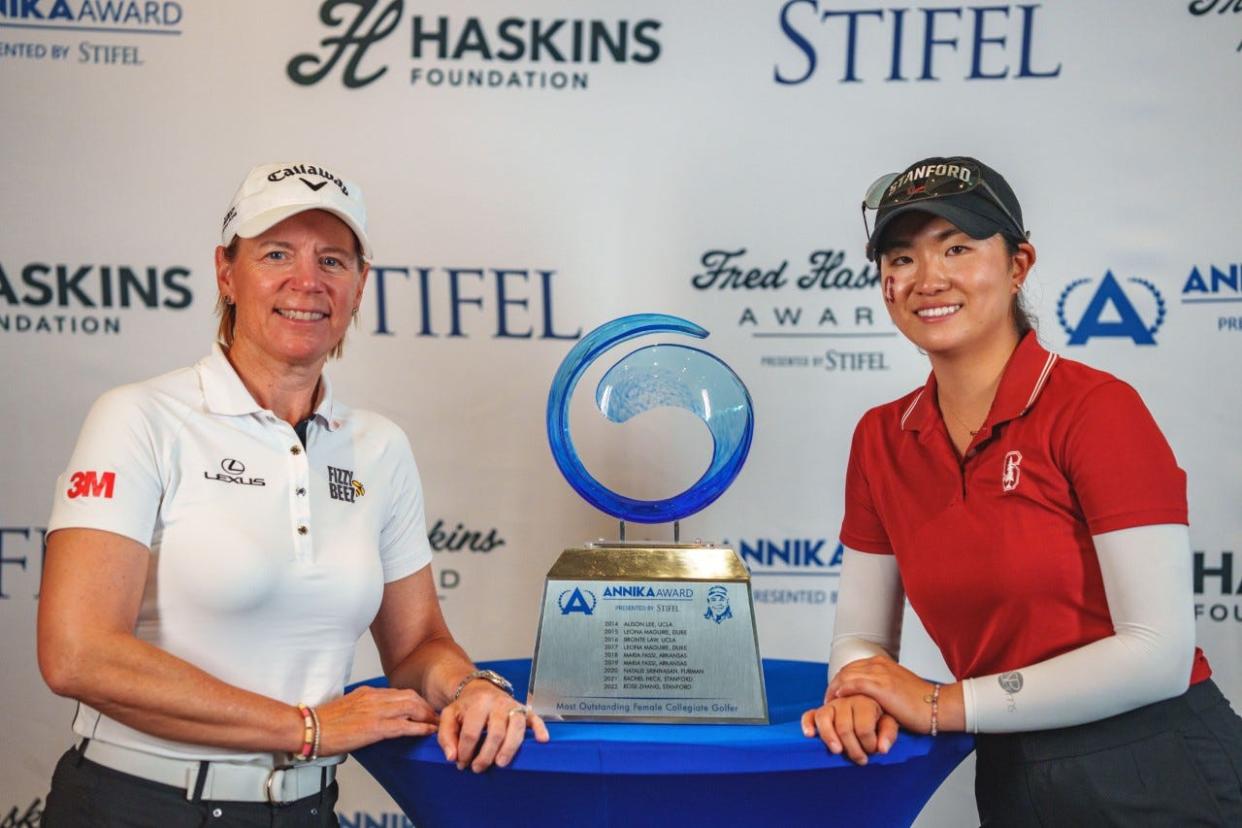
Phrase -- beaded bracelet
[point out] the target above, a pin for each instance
(935, 709)
(310, 734)
(315, 750)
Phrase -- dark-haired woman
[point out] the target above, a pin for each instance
(1034, 515)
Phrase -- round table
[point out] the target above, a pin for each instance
(715, 775)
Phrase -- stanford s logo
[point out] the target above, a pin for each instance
(91, 484)
(308, 68)
(580, 600)
(1012, 474)
(1111, 313)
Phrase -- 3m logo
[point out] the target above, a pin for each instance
(91, 484)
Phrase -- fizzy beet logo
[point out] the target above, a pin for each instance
(452, 51)
(1112, 311)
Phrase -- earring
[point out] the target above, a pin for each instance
(228, 300)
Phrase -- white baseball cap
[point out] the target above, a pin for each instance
(272, 193)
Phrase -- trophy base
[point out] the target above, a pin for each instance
(638, 632)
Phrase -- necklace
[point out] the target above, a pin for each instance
(962, 423)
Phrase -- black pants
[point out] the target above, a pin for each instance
(1177, 763)
(87, 795)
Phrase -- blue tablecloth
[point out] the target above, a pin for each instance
(685, 775)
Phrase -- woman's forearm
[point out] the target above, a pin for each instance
(1147, 580)
(150, 690)
(870, 601)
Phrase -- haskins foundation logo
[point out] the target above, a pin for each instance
(453, 51)
(1218, 586)
(86, 299)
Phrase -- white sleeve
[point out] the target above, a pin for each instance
(870, 600)
(114, 481)
(404, 547)
(1147, 581)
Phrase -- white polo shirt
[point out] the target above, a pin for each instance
(268, 560)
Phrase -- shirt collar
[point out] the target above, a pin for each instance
(224, 393)
(1025, 375)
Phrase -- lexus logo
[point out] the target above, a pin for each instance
(232, 466)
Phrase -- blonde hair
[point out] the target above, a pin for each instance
(227, 311)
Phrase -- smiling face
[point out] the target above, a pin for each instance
(947, 292)
(295, 288)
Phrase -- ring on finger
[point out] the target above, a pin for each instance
(521, 708)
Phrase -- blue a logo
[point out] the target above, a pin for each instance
(1111, 313)
(579, 600)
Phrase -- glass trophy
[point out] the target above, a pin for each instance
(643, 631)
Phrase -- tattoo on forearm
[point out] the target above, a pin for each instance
(1011, 683)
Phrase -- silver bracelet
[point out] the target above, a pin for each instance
(486, 675)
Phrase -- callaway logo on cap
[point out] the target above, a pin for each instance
(272, 193)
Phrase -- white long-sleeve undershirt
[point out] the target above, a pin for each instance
(1146, 573)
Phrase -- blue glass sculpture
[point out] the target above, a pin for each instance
(653, 376)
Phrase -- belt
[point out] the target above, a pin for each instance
(214, 781)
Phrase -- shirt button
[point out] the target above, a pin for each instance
(295, 449)
(301, 492)
(302, 530)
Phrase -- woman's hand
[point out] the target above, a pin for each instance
(900, 693)
(856, 725)
(483, 708)
(371, 714)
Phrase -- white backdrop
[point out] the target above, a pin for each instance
(554, 176)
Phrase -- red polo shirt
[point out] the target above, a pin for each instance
(995, 549)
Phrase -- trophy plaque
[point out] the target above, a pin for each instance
(641, 631)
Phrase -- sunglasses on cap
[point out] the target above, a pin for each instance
(940, 181)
